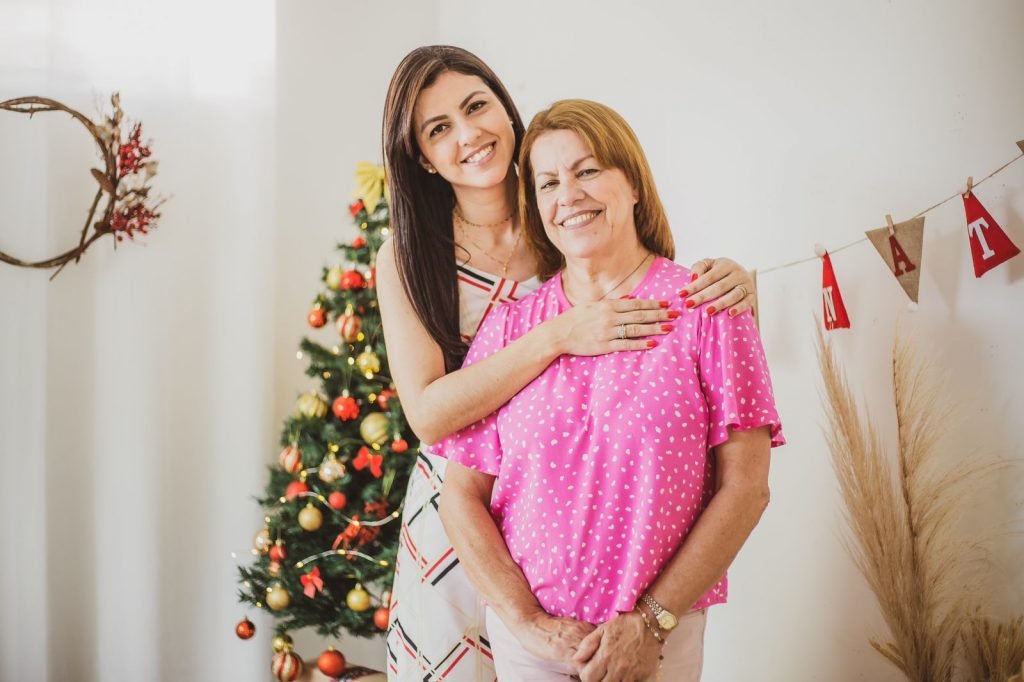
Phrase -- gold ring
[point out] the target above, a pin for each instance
(622, 331)
(744, 290)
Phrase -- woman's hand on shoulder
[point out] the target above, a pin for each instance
(723, 282)
(607, 326)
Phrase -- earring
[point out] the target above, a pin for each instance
(431, 170)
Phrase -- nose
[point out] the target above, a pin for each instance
(468, 134)
(569, 191)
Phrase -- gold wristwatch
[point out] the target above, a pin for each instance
(666, 620)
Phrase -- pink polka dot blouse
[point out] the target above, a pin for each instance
(602, 463)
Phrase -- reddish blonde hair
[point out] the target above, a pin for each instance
(614, 145)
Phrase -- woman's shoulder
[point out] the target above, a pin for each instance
(669, 275)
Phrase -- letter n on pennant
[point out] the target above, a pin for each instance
(832, 298)
(990, 246)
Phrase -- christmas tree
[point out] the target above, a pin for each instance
(325, 558)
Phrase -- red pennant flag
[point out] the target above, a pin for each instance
(832, 299)
(990, 247)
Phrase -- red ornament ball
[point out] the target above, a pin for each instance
(337, 500)
(331, 662)
(400, 445)
(352, 280)
(294, 489)
(345, 408)
(245, 629)
(384, 396)
(359, 242)
(371, 278)
(380, 618)
(356, 207)
(317, 318)
(278, 552)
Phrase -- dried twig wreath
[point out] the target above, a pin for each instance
(125, 180)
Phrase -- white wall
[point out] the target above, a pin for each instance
(772, 126)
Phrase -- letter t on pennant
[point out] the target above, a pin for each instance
(990, 246)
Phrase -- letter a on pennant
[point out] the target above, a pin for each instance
(832, 299)
(902, 251)
(990, 246)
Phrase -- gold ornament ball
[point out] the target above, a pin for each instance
(281, 643)
(262, 542)
(310, 518)
(330, 469)
(374, 428)
(367, 361)
(278, 598)
(311, 406)
(286, 666)
(334, 276)
(358, 599)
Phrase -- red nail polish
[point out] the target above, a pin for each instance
(690, 304)
(663, 304)
(673, 314)
(666, 327)
(711, 310)
(683, 293)
(694, 276)
(652, 344)
(626, 296)
(732, 312)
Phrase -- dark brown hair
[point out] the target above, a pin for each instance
(614, 145)
(422, 203)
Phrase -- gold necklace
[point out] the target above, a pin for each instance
(619, 283)
(515, 247)
(458, 214)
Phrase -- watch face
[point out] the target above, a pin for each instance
(666, 620)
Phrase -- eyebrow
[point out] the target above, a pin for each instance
(572, 167)
(462, 105)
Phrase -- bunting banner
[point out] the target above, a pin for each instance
(901, 246)
(990, 246)
(832, 299)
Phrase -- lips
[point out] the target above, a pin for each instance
(480, 153)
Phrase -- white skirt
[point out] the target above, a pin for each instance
(437, 627)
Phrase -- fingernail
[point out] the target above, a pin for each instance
(711, 310)
(666, 327)
(694, 276)
(683, 293)
(732, 312)
(663, 304)
(652, 344)
(690, 304)
(673, 314)
(626, 296)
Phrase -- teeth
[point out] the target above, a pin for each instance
(480, 154)
(577, 219)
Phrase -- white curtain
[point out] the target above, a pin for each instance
(136, 387)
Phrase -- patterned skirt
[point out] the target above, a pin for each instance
(437, 618)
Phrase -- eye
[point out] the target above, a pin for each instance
(476, 106)
(548, 185)
(588, 172)
(438, 129)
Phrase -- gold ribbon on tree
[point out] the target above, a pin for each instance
(370, 185)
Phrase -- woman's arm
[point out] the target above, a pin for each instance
(438, 404)
(466, 516)
(702, 559)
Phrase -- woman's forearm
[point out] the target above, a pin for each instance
(465, 396)
(486, 559)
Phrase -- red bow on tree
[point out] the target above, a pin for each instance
(312, 583)
(365, 459)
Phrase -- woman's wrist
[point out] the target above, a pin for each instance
(553, 338)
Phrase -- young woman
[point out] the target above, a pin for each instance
(451, 135)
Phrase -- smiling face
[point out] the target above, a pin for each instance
(464, 132)
(586, 209)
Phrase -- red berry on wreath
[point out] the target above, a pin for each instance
(294, 489)
(380, 618)
(245, 629)
(400, 446)
(337, 500)
(317, 318)
(345, 408)
(331, 662)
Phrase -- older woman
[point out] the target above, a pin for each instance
(598, 510)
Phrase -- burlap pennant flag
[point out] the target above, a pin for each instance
(901, 248)
(832, 300)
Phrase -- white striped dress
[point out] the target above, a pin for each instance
(437, 618)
